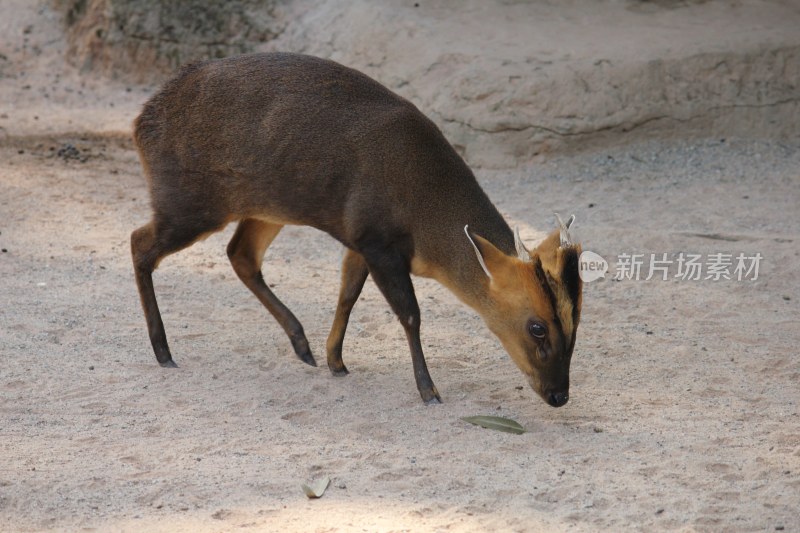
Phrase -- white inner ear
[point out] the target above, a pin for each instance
(477, 252)
(522, 252)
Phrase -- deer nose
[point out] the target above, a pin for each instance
(557, 399)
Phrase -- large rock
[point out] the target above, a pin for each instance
(140, 39)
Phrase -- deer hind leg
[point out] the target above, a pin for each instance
(149, 245)
(246, 253)
(354, 274)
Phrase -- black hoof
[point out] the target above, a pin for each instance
(340, 372)
(169, 363)
(303, 350)
(430, 396)
(307, 358)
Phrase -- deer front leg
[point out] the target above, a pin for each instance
(391, 273)
(354, 274)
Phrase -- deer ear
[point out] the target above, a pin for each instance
(522, 252)
(477, 252)
(490, 258)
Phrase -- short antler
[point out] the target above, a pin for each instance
(566, 240)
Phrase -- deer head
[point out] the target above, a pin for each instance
(533, 305)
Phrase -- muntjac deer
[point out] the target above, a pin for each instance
(274, 139)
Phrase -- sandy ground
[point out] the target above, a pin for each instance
(684, 406)
(683, 412)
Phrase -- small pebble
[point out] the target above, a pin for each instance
(91, 367)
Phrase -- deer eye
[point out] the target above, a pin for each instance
(537, 329)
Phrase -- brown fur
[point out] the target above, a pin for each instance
(276, 139)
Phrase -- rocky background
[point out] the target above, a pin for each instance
(506, 80)
(142, 40)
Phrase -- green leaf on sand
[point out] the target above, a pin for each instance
(496, 422)
(317, 488)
